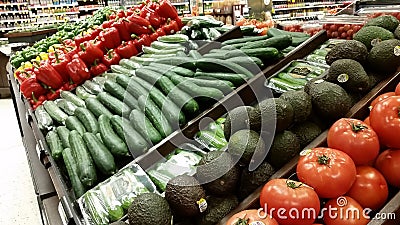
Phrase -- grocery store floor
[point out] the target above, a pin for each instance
(18, 204)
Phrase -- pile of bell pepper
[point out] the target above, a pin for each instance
(70, 62)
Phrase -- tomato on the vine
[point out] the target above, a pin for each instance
(355, 138)
(344, 210)
(388, 163)
(397, 91)
(290, 202)
(382, 97)
(251, 217)
(367, 121)
(329, 171)
(371, 181)
(385, 120)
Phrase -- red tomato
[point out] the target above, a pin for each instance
(355, 138)
(333, 27)
(385, 121)
(381, 97)
(349, 38)
(369, 180)
(252, 215)
(340, 29)
(292, 30)
(388, 163)
(367, 121)
(329, 171)
(397, 91)
(347, 27)
(290, 202)
(356, 28)
(329, 33)
(335, 34)
(344, 211)
(350, 33)
(343, 35)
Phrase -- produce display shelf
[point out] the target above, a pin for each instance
(15, 20)
(306, 7)
(28, 34)
(180, 3)
(54, 14)
(12, 4)
(15, 12)
(53, 6)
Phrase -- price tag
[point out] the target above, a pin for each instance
(202, 205)
(342, 78)
(375, 41)
(396, 51)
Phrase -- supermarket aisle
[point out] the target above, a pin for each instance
(18, 203)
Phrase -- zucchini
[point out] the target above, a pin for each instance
(128, 64)
(218, 65)
(88, 119)
(136, 143)
(113, 142)
(247, 62)
(157, 56)
(265, 54)
(92, 87)
(63, 133)
(55, 112)
(283, 84)
(150, 50)
(278, 42)
(162, 45)
(142, 60)
(82, 93)
(55, 145)
(67, 95)
(195, 54)
(122, 70)
(154, 114)
(102, 157)
(236, 79)
(222, 85)
(122, 80)
(180, 98)
(73, 123)
(97, 108)
(72, 170)
(245, 39)
(184, 62)
(142, 124)
(113, 104)
(195, 90)
(175, 38)
(66, 106)
(44, 120)
(85, 167)
(119, 92)
(210, 140)
(157, 67)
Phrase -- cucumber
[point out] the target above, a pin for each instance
(298, 41)
(99, 80)
(121, 69)
(195, 90)
(113, 142)
(98, 135)
(92, 87)
(210, 140)
(44, 120)
(110, 76)
(289, 49)
(72, 170)
(82, 93)
(73, 123)
(184, 62)
(55, 112)
(236, 79)
(72, 98)
(273, 32)
(136, 89)
(122, 80)
(150, 50)
(88, 119)
(157, 56)
(55, 145)
(216, 129)
(180, 98)
(113, 104)
(195, 54)
(63, 133)
(233, 46)
(245, 39)
(175, 38)
(128, 64)
(154, 114)
(223, 54)
(218, 65)
(168, 107)
(222, 85)
(284, 85)
(85, 167)
(119, 92)
(265, 54)
(161, 45)
(136, 143)
(141, 60)
(97, 108)
(66, 106)
(118, 127)
(291, 79)
(181, 54)
(278, 42)
(247, 62)
(157, 67)
(102, 157)
(142, 124)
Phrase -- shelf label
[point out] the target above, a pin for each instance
(396, 51)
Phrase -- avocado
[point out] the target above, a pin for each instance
(275, 112)
(118, 223)
(242, 117)
(350, 49)
(217, 209)
(182, 193)
(149, 209)
(218, 173)
(388, 22)
(251, 180)
(349, 74)
(375, 77)
(367, 35)
(285, 146)
(329, 100)
(306, 132)
(246, 144)
(301, 104)
(385, 56)
(397, 32)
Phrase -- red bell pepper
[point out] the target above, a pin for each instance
(49, 76)
(144, 40)
(111, 58)
(110, 38)
(107, 24)
(171, 27)
(126, 50)
(60, 63)
(99, 44)
(122, 26)
(97, 68)
(138, 29)
(89, 52)
(31, 88)
(77, 70)
(151, 16)
(81, 38)
(139, 20)
(167, 10)
(53, 95)
(25, 74)
(153, 5)
(121, 14)
(160, 32)
(154, 36)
